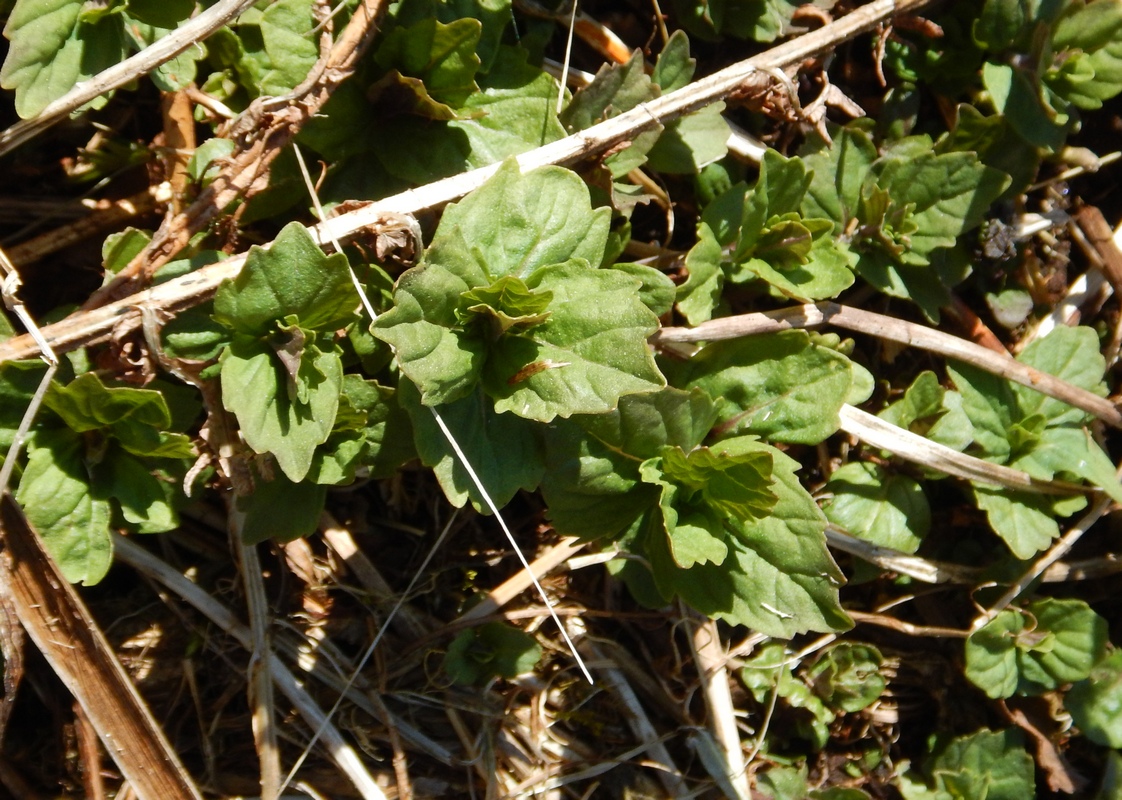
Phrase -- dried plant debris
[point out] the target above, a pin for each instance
(734, 419)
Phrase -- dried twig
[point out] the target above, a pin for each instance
(176, 295)
(162, 51)
(712, 671)
(57, 621)
(523, 580)
(343, 754)
(260, 134)
(896, 330)
(1057, 551)
(875, 432)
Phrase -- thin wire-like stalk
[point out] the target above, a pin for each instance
(510, 537)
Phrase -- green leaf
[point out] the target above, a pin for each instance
(120, 248)
(950, 194)
(826, 271)
(194, 335)
(996, 144)
(290, 46)
(700, 294)
(388, 430)
(737, 486)
(778, 577)
(758, 20)
(768, 671)
(656, 290)
(690, 143)
(145, 501)
(615, 89)
(257, 389)
(591, 489)
(441, 56)
(780, 386)
(590, 352)
(1014, 95)
(1026, 522)
(1096, 702)
(53, 48)
(491, 650)
(879, 507)
(514, 111)
(646, 423)
(1050, 643)
(1071, 354)
(55, 495)
(291, 278)
(847, 676)
(504, 450)
(1023, 428)
(1001, 24)
(19, 381)
(177, 73)
(1089, 35)
(85, 404)
(988, 764)
(494, 14)
(518, 223)
(839, 171)
(674, 67)
(161, 13)
(281, 510)
(203, 160)
(592, 484)
(507, 304)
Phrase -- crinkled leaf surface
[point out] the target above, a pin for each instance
(990, 764)
(1050, 643)
(592, 484)
(85, 404)
(590, 352)
(778, 576)
(877, 506)
(577, 353)
(437, 354)
(847, 676)
(780, 386)
(55, 495)
(291, 278)
(591, 490)
(256, 389)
